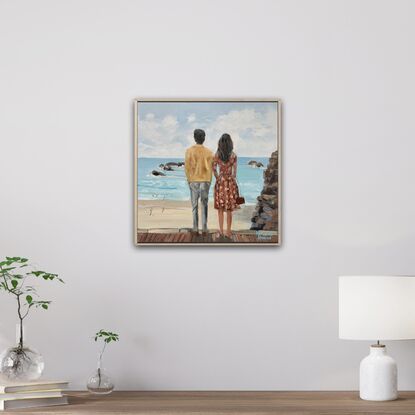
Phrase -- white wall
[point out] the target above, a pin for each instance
(202, 318)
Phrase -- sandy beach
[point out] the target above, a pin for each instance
(172, 214)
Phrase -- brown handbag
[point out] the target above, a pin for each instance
(240, 200)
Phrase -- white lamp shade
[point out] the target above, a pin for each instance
(377, 307)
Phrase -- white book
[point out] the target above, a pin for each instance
(32, 403)
(33, 386)
(31, 395)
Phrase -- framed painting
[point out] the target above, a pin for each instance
(207, 172)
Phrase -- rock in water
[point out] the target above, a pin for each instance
(170, 164)
(254, 163)
(265, 216)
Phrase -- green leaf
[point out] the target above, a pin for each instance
(15, 283)
(29, 299)
(107, 336)
(45, 306)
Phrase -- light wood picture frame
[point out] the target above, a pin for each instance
(176, 193)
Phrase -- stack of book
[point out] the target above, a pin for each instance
(32, 394)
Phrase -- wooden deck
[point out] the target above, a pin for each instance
(182, 236)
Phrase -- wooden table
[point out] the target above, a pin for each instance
(157, 403)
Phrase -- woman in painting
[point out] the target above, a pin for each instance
(226, 188)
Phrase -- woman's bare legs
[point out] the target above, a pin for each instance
(220, 217)
(229, 223)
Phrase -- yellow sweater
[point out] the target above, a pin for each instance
(198, 164)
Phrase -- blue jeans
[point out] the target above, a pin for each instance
(199, 190)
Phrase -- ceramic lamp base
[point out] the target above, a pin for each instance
(378, 376)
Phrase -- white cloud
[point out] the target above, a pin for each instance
(170, 123)
(253, 133)
(160, 137)
(191, 118)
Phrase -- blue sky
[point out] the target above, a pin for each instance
(165, 129)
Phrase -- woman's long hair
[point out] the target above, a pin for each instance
(225, 147)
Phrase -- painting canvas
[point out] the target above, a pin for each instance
(207, 172)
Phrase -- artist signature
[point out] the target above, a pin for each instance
(262, 236)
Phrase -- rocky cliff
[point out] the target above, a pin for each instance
(265, 216)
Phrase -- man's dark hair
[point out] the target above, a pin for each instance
(199, 136)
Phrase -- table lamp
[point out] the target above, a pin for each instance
(377, 308)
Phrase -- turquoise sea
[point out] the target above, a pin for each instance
(174, 186)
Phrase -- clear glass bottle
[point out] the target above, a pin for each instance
(100, 383)
(20, 362)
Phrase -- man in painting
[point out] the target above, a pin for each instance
(198, 167)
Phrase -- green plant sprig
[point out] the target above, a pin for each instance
(107, 336)
(13, 277)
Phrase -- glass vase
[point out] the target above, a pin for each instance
(100, 382)
(20, 362)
